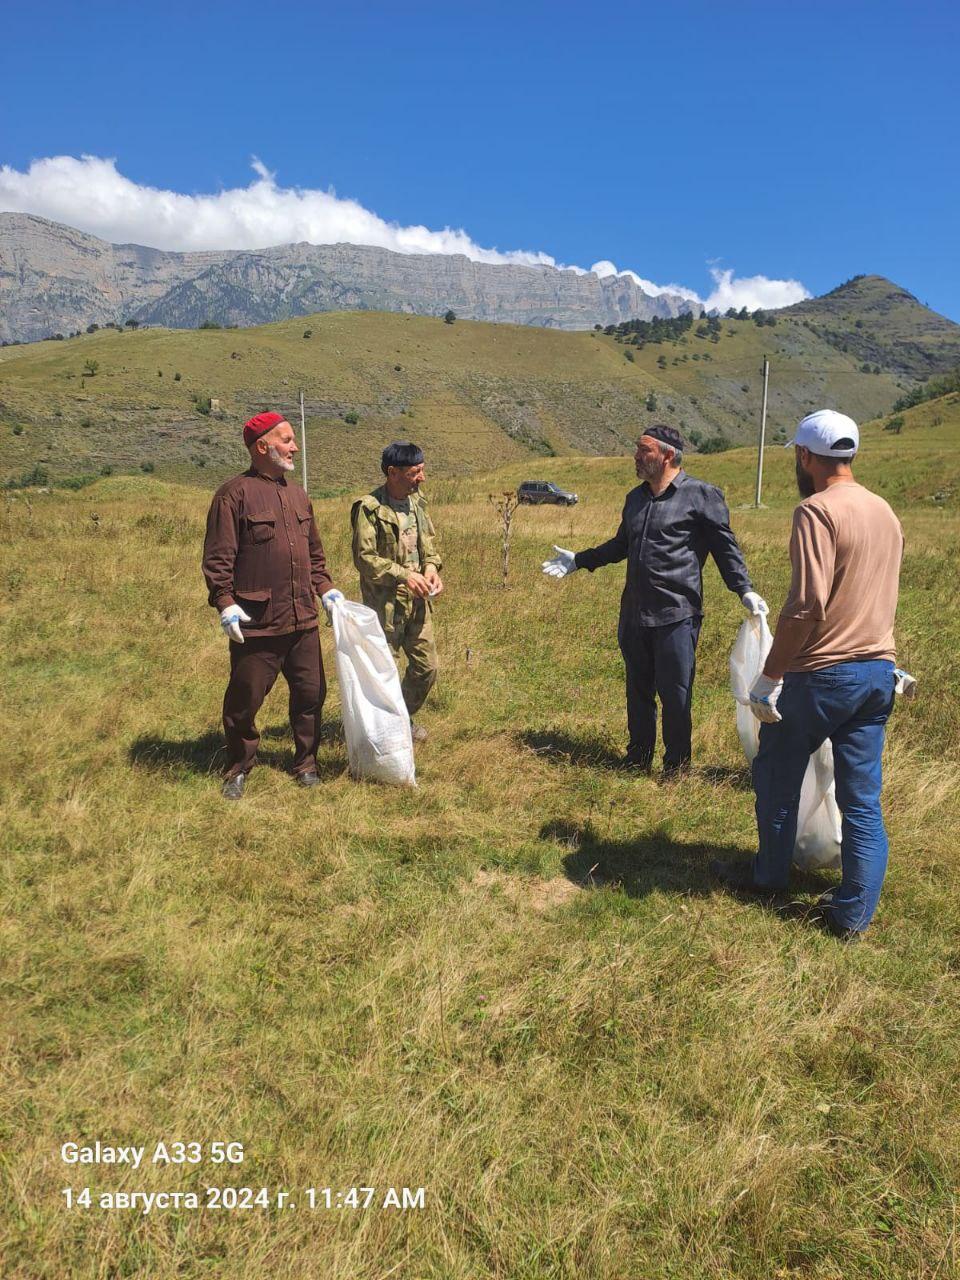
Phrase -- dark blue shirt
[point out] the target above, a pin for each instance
(665, 540)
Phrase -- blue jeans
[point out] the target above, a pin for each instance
(848, 703)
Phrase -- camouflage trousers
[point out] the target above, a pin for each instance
(412, 633)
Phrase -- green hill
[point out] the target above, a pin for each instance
(471, 393)
(877, 322)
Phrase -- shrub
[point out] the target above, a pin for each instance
(651, 403)
(352, 417)
(176, 377)
(449, 317)
(895, 424)
(159, 373)
(715, 444)
(203, 404)
(92, 328)
(90, 368)
(209, 324)
(398, 368)
(86, 422)
(308, 333)
(132, 324)
(106, 469)
(18, 430)
(75, 482)
(146, 467)
(36, 477)
(629, 355)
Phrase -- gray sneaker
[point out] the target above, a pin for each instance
(233, 787)
(417, 732)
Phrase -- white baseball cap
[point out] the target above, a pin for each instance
(822, 432)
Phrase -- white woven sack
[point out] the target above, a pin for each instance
(376, 723)
(818, 818)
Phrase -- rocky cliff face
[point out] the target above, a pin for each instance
(54, 279)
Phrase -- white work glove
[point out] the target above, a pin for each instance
(906, 684)
(230, 619)
(563, 563)
(764, 693)
(754, 604)
(330, 598)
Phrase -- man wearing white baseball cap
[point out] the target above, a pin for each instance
(829, 674)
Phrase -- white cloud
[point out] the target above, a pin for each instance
(752, 292)
(90, 194)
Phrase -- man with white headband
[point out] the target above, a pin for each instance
(830, 674)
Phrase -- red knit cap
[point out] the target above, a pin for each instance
(259, 426)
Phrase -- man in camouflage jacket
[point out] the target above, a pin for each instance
(395, 549)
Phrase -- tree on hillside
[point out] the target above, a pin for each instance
(92, 328)
(131, 323)
(449, 317)
(90, 368)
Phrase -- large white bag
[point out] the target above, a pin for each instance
(376, 723)
(819, 818)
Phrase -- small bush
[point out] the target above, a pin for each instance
(90, 368)
(308, 333)
(449, 317)
(352, 417)
(629, 355)
(204, 405)
(36, 477)
(715, 444)
(75, 482)
(209, 324)
(176, 377)
(895, 424)
(146, 467)
(159, 373)
(86, 422)
(18, 430)
(106, 469)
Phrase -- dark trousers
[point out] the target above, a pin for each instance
(254, 666)
(660, 662)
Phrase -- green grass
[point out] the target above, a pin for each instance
(475, 395)
(514, 986)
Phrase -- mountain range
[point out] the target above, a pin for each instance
(55, 279)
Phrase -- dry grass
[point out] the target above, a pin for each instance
(513, 987)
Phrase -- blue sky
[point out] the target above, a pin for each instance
(801, 141)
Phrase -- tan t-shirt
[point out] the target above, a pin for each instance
(845, 549)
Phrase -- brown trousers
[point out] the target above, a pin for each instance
(254, 666)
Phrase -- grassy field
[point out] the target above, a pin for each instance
(474, 394)
(513, 987)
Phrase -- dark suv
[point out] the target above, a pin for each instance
(536, 491)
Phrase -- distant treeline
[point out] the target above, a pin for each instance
(931, 390)
(671, 329)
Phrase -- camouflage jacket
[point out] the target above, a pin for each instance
(376, 552)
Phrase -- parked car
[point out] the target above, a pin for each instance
(536, 491)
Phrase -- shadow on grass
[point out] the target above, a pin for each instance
(206, 754)
(595, 752)
(555, 744)
(654, 861)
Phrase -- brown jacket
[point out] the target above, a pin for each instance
(262, 552)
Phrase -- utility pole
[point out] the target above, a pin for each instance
(763, 430)
(303, 441)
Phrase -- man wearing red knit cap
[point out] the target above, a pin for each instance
(264, 567)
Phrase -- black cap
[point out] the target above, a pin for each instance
(401, 454)
(666, 435)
